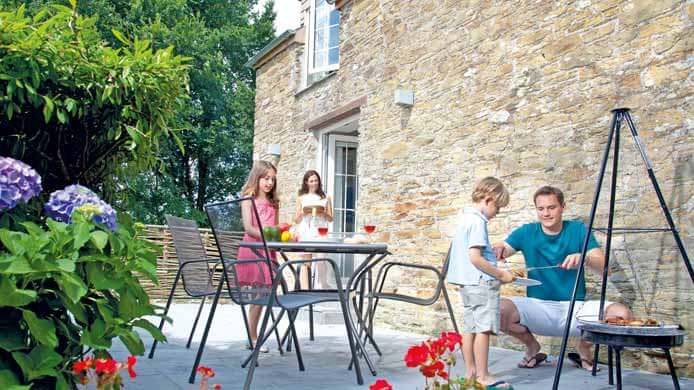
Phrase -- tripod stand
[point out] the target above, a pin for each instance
(618, 115)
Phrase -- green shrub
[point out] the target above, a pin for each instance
(66, 290)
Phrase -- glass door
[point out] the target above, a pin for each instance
(343, 186)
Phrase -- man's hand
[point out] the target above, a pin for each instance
(572, 261)
(499, 250)
(506, 277)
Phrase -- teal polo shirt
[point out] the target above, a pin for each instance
(541, 249)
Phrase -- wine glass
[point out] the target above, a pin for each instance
(369, 226)
(322, 229)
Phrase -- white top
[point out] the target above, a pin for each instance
(308, 227)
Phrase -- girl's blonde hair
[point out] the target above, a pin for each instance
(251, 188)
(491, 187)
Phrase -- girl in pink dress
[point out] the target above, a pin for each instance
(261, 185)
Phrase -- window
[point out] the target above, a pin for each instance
(323, 37)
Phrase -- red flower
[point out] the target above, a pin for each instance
(131, 363)
(206, 371)
(217, 386)
(417, 355)
(105, 366)
(438, 348)
(433, 370)
(79, 367)
(381, 384)
(452, 339)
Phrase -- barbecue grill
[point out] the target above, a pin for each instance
(618, 337)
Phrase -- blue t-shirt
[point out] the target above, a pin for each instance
(471, 233)
(541, 249)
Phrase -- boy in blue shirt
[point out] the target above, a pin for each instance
(552, 242)
(473, 267)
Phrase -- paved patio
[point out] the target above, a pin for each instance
(326, 361)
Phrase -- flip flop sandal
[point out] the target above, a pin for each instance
(538, 358)
(495, 386)
(578, 361)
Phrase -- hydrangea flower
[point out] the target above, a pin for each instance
(63, 203)
(18, 183)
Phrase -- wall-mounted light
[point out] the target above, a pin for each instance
(404, 97)
(274, 152)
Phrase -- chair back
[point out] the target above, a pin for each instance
(249, 273)
(446, 263)
(189, 247)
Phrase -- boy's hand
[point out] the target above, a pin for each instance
(499, 250)
(506, 277)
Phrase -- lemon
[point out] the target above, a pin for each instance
(286, 236)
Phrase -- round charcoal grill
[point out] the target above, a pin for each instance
(619, 337)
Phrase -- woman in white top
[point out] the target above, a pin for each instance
(313, 210)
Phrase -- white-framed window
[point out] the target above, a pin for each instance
(323, 37)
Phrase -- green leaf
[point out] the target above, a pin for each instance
(67, 265)
(119, 36)
(151, 328)
(99, 239)
(102, 280)
(75, 308)
(42, 331)
(15, 265)
(95, 336)
(12, 296)
(11, 339)
(82, 234)
(72, 286)
(41, 361)
(132, 341)
(48, 108)
(8, 378)
(12, 241)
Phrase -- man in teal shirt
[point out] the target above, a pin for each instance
(552, 242)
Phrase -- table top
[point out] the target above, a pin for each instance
(321, 247)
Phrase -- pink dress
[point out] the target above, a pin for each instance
(257, 274)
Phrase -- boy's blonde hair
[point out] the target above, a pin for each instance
(491, 187)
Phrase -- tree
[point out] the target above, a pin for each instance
(80, 111)
(217, 124)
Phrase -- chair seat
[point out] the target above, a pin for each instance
(403, 298)
(293, 301)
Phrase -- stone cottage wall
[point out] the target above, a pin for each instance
(520, 90)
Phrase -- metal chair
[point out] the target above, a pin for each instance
(195, 269)
(440, 287)
(261, 281)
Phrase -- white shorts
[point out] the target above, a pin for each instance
(548, 318)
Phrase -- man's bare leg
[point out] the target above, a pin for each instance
(585, 347)
(510, 324)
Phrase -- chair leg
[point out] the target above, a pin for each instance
(277, 335)
(201, 348)
(350, 338)
(262, 338)
(296, 344)
(254, 356)
(195, 323)
(245, 322)
(450, 308)
(166, 311)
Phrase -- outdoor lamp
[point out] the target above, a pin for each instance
(274, 151)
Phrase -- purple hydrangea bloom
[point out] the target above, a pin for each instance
(18, 183)
(62, 203)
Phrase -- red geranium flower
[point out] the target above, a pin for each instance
(131, 363)
(433, 370)
(105, 366)
(417, 355)
(438, 348)
(452, 339)
(79, 367)
(206, 371)
(217, 386)
(381, 384)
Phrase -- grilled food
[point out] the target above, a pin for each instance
(619, 321)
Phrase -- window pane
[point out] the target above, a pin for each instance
(319, 59)
(320, 3)
(334, 36)
(340, 155)
(334, 56)
(349, 221)
(320, 39)
(339, 191)
(351, 161)
(334, 17)
(337, 218)
(351, 192)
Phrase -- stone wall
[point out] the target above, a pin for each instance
(520, 90)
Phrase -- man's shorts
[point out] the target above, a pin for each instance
(481, 307)
(548, 318)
